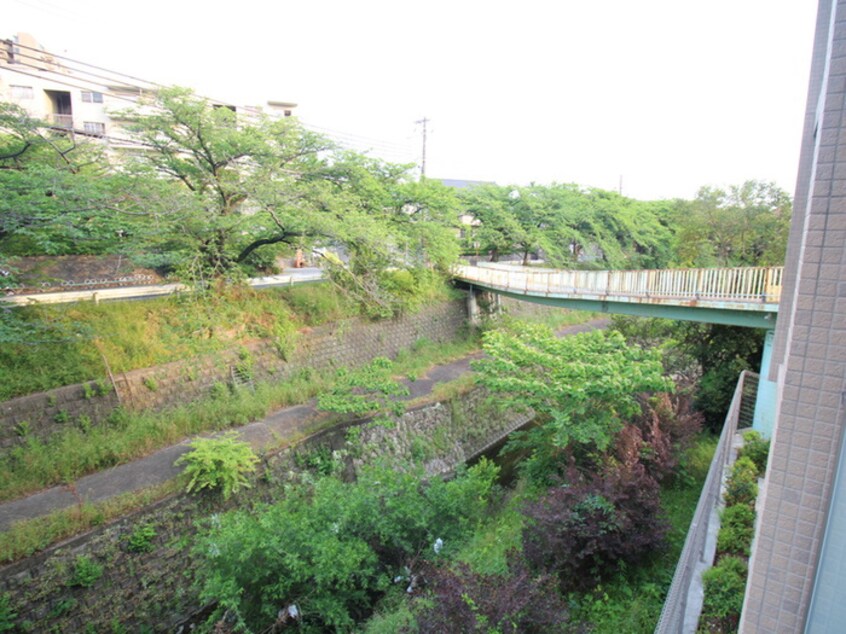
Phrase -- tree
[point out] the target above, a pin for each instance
(743, 225)
(250, 183)
(58, 194)
(564, 222)
(246, 183)
(582, 387)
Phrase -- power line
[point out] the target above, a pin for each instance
(76, 72)
(76, 61)
(64, 83)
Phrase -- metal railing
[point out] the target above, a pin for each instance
(748, 284)
(62, 120)
(675, 606)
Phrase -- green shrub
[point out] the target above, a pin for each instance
(331, 547)
(84, 423)
(61, 416)
(725, 585)
(88, 391)
(7, 614)
(219, 464)
(85, 573)
(756, 449)
(742, 484)
(737, 526)
(141, 539)
(738, 516)
(734, 541)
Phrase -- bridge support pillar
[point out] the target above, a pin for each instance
(481, 304)
(765, 402)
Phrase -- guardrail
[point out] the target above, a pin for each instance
(301, 276)
(692, 557)
(747, 284)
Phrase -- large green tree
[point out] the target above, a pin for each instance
(742, 225)
(58, 193)
(582, 387)
(568, 224)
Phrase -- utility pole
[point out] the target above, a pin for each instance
(424, 121)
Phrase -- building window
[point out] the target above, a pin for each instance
(92, 97)
(21, 92)
(95, 128)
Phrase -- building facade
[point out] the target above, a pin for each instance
(79, 97)
(798, 565)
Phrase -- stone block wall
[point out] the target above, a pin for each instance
(345, 344)
(43, 414)
(153, 591)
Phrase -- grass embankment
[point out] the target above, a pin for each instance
(74, 452)
(71, 343)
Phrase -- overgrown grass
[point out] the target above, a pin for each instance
(78, 342)
(632, 601)
(128, 436)
(29, 536)
(555, 320)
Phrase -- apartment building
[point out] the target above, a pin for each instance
(80, 97)
(798, 564)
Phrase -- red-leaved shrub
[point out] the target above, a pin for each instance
(459, 600)
(580, 530)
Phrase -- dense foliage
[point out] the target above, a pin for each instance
(324, 551)
(583, 387)
(713, 355)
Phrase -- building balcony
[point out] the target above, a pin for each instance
(62, 120)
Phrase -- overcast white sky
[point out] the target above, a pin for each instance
(668, 94)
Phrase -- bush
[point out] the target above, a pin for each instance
(85, 573)
(219, 464)
(737, 527)
(332, 548)
(7, 614)
(580, 530)
(141, 539)
(742, 484)
(458, 600)
(756, 449)
(725, 585)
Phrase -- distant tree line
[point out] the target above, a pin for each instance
(205, 192)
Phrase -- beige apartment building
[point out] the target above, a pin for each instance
(80, 97)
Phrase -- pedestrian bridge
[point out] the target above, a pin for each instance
(745, 296)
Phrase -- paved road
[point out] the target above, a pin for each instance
(158, 468)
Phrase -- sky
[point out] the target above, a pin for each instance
(657, 97)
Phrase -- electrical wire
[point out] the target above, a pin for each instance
(385, 149)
